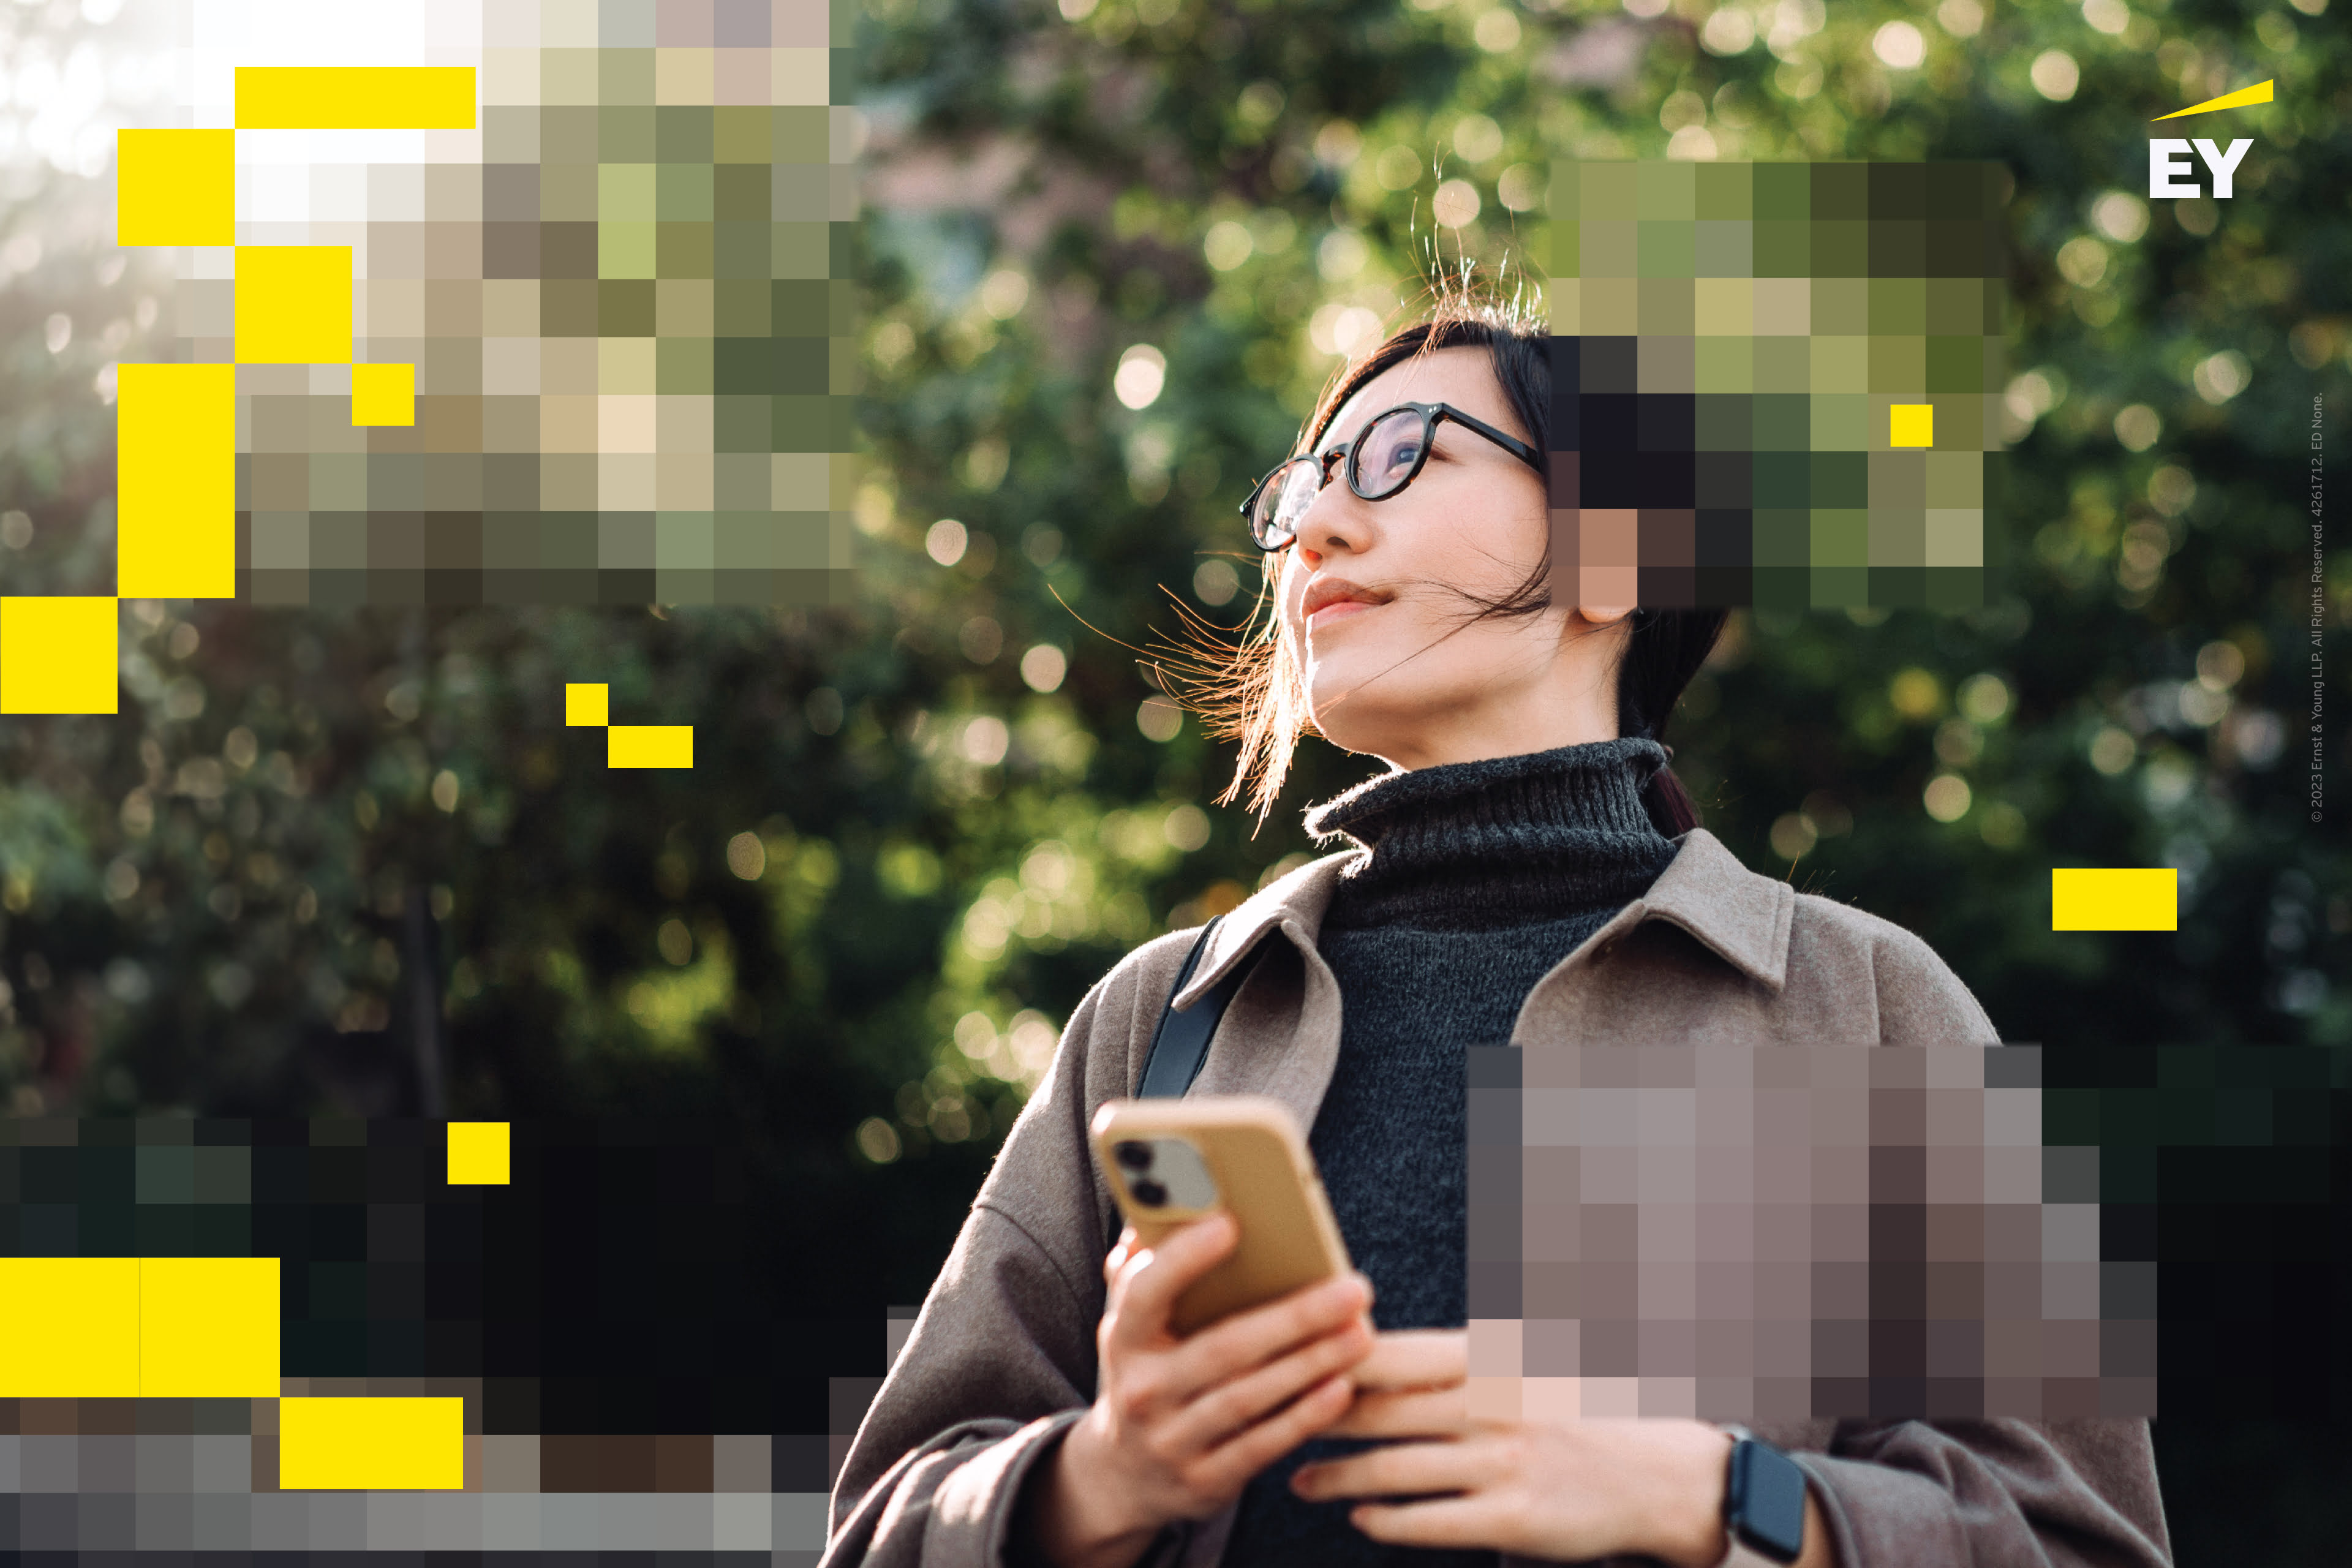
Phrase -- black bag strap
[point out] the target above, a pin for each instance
(1180, 1043)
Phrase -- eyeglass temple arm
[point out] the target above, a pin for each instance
(1508, 442)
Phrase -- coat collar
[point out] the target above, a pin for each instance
(1743, 918)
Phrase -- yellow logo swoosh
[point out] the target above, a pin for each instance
(2258, 93)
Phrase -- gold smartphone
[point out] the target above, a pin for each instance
(1170, 1162)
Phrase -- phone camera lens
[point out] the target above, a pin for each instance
(1150, 1194)
(1134, 1155)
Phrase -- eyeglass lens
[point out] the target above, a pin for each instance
(1286, 499)
(1385, 456)
(1380, 462)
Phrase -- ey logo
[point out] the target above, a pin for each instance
(2167, 156)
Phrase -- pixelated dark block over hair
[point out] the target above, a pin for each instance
(1778, 385)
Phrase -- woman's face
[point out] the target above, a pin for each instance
(1383, 677)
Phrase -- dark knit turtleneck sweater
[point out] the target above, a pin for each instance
(1479, 878)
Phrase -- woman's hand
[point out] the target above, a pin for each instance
(1181, 1425)
(1572, 1490)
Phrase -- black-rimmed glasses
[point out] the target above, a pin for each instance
(1382, 462)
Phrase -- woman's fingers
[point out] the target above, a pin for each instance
(1230, 1467)
(1211, 1409)
(1405, 1470)
(1148, 1285)
(1475, 1522)
(1240, 1402)
(1416, 1358)
(1405, 1412)
(1261, 1335)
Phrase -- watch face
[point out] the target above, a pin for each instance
(1765, 1502)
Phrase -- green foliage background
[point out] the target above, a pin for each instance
(356, 864)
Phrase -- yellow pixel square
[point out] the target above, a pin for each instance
(208, 1328)
(649, 746)
(293, 304)
(175, 187)
(175, 481)
(1911, 424)
(57, 654)
(2100, 898)
(478, 1153)
(68, 1328)
(388, 1444)
(384, 394)
(587, 704)
(354, 98)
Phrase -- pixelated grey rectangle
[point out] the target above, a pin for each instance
(1736, 1232)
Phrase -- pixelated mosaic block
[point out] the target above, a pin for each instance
(1774, 384)
(174, 187)
(380, 1444)
(384, 394)
(68, 1328)
(2115, 898)
(175, 481)
(208, 1328)
(629, 306)
(1777, 1231)
(57, 654)
(293, 304)
(478, 1153)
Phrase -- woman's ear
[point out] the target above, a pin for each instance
(1604, 614)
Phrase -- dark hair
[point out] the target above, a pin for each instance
(1255, 692)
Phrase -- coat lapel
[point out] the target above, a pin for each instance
(1740, 916)
(1281, 1036)
(1743, 917)
(1300, 899)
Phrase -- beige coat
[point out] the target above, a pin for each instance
(1002, 1359)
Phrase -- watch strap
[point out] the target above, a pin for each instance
(1743, 1555)
(1765, 1531)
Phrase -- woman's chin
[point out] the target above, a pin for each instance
(1362, 722)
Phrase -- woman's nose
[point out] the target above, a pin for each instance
(1335, 520)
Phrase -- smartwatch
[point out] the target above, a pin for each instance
(1763, 1502)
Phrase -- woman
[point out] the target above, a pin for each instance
(1530, 870)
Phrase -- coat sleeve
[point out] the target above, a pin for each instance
(1992, 1494)
(1920, 1000)
(1002, 1359)
(988, 1382)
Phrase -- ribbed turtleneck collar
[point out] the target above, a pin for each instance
(1500, 842)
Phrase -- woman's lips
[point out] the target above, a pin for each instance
(1338, 609)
